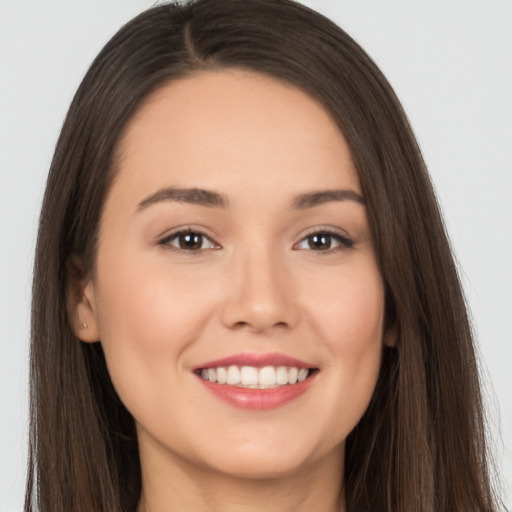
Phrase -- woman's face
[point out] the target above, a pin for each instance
(234, 244)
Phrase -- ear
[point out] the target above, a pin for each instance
(81, 303)
(390, 335)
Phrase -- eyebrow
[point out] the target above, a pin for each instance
(185, 195)
(212, 199)
(312, 199)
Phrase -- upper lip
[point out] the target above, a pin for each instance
(256, 360)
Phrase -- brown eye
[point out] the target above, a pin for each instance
(320, 241)
(325, 241)
(191, 241)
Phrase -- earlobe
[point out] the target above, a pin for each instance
(390, 335)
(81, 303)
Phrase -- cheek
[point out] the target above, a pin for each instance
(347, 309)
(148, 315)
(349, 319)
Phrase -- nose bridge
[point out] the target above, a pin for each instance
(260, 289)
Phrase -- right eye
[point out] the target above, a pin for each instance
(189, 240)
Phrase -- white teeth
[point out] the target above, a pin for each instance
(252, 377)
(292, 375)
(267, 377)
(248, 376)
(233, 375)
(282, 375)
(222, 375)
(303, 373)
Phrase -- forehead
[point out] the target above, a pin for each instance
(216, 129)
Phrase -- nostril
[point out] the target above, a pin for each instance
(250, 311)
(247, 325)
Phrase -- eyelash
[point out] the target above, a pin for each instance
(344, 242)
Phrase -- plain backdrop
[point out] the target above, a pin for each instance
(450, 62)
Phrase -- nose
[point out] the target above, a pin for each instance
(261, 294)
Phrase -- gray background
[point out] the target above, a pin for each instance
(450, 62)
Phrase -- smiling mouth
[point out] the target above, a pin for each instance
(252, 377)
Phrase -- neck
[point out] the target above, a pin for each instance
(183, 486)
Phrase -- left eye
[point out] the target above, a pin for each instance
(324, 241)
(189, 241)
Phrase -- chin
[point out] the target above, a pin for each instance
(270, 461)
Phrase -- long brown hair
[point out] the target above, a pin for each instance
(420, 445)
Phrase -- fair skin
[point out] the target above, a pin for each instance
(255, 272)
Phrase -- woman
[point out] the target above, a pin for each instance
(244, 298)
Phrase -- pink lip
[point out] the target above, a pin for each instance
(256, 360)
(256, 399)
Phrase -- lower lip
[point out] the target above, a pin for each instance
(258, 399)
